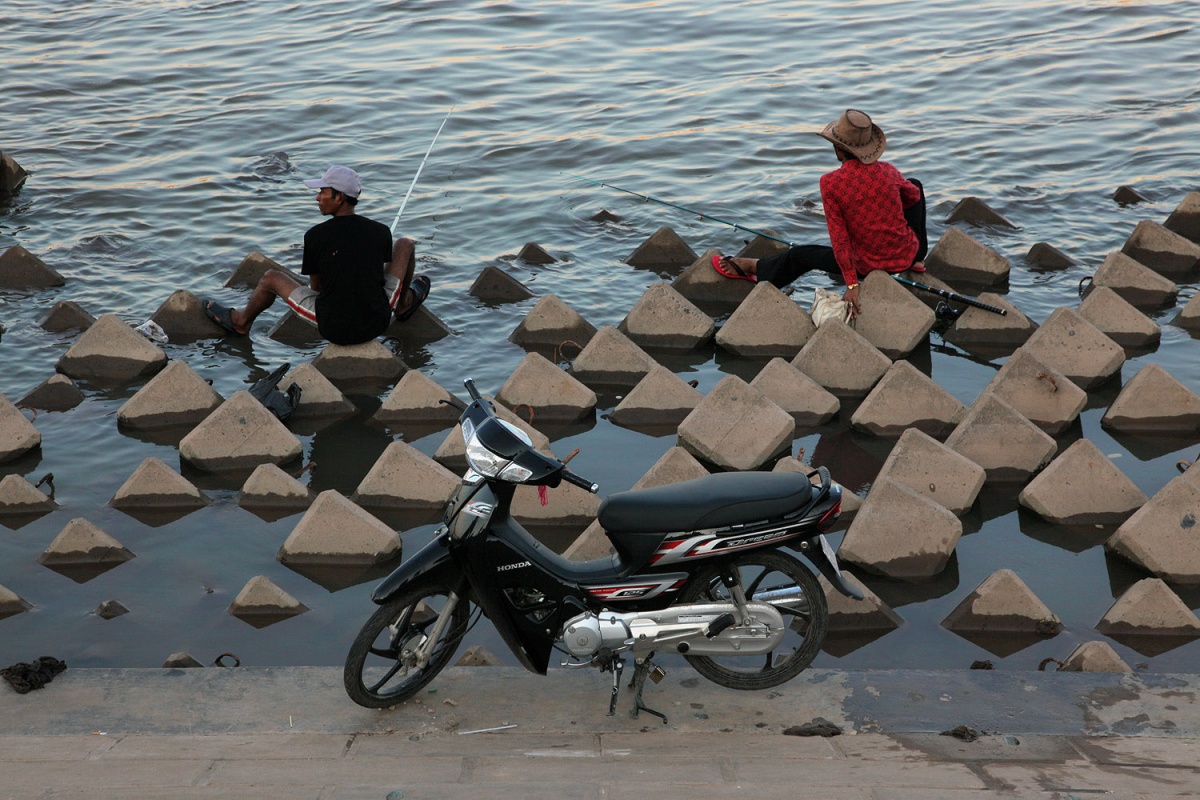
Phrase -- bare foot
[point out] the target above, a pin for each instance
(747, 266)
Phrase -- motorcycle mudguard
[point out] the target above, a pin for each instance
(432, 560)
(822, 557)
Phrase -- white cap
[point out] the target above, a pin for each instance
(343, 179)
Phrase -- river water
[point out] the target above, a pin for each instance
(167, 139)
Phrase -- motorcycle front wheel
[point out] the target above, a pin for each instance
(393, 655)
(805, 617)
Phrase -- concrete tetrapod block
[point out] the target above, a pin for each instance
(319, 398)
(1189, 317)
(181, 659)
(66, 315)
(841, 360)
(850, 616)
(1038, 391)
(110, 353)
(249, 272)
(700, 283)
(111, 609)
(1128, 196)
(933, 470)
(1161, 536)
(664, 251)
(11, 603)
(422, 326)
(21, 269)
(291, 329)
(930, 282)
(358, 364)
(336, 532)
(56, 393)
(1149, 609)
(154, 485)
(661, 400)
(81, 551)
(1076, 348)
(176, 396)
(762, 247)
(453, 451)
(674, 466)
(550, 323)
(979, 327)
(478, 656)
(664, 318)
(417, 399)
(611, 359)
(12, 174)
(271, 489)
(549, 391)
(534, 253)
(1082, 487)
(19, 496)
(900, 534)
(767, 323)
(998, 438)
(796, 393)
(1095, 656)
(1047, 256)
(957, 256)
(1119, 320)
(974, 211)
(17, 434)
(735, 427)
(239, 435)
(1154, 402)
(568, 508)
(1185, 219)
(1136, 283)
(494, 285)
(182, 317)
(1161, 249)
(261, 603)
(892, 319)
(907, 398)
(404, 477)
(1003, 604)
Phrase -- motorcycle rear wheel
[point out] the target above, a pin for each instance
(381, 668)
(806, 622)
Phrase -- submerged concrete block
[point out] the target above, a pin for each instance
(319, 398)
(1128, 196)
(356, 364)
(1003, 604)
(663, 251)
(1160, 537)
(767, 323)
(796, 393)
(17, 434)
(478, 656)
(932, 470)
(422, 326)
(550, 323)
(957, 256)
(417, 399)
(1119, 320)
(998, 438)
(736, 427)
(335, 531)
(907, 398)
(12, 174)
(239, 435)
(1094, 656)
(494, 285)
(534, 253)
(56, 393)
(1047, 256)
(974, 211)
(66, 315)
(1154, 402)
(21, 269)
(111, 353)
(182, 317)
(270, 488)
(1082, 486)
(1185, 219)
(82, 544)
(841, 360)
(661, 399)
(261, 603)
(249, 272)
(154, 485)
(567, 508)
(1136, 283)
(1161, 249)
(548, 390)
(664, 318)
(1039, 392)
(20, 497)
(1149, 608)
(1076, 348)
(612, 359)
(404, 477)
(900, 534)
(762, 247)
(174, 397)
(11, 603)
(181, 659)
(979, 327)
(891, 318)
(291, 329)
(1189, 317)
(700, 283)
(850, 616)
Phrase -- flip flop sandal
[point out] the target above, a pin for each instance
(221, 315)
(731, 270)
(420, 290)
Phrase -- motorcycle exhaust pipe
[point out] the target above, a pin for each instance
(791, 598)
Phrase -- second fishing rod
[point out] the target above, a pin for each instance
(947, 295)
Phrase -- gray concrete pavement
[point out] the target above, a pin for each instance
(250, 733)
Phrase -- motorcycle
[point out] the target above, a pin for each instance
(698, 570)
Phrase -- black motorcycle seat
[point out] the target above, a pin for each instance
(714, 501)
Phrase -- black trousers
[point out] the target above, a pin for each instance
(785, 267)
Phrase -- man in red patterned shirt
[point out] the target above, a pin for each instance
(876, 218)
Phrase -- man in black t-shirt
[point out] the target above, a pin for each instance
(356, 278)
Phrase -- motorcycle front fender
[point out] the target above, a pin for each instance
(431, 561)
(822, 557)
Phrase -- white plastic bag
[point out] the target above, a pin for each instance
(830, 305)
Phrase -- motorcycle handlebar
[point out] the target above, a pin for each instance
(582, 483)
(471, 390)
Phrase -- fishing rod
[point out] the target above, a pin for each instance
(413, 185)
(954, 296)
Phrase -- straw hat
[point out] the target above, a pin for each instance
(854, 132)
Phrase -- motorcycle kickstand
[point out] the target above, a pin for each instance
(640, 670)
(618, 666)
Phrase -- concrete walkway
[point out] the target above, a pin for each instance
(504, 733)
